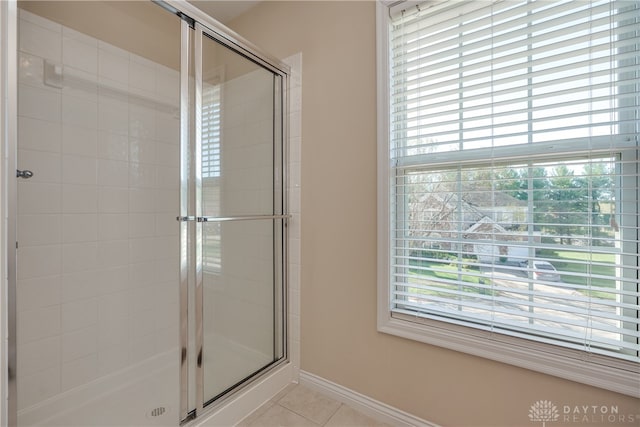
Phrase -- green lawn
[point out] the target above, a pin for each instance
(565, 262)
(450, 272)
(572, 262)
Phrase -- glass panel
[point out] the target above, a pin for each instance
(242, 323)
(237, 134)
(97, 286)
(239, 301)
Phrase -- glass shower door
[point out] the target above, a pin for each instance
(239, 203)
(128, 119)
(97, 308)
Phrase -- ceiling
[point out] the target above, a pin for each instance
(224, 10)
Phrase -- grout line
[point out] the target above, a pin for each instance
(309, 419)
(334, 414)
(300, 415)
(271, 403)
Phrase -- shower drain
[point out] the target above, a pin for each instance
(157, 412)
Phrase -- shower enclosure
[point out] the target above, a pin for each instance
(150, 214)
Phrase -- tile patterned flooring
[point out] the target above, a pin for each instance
(299, 406)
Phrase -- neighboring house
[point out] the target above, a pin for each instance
(502, 208)
(492, 243)
(440, 221)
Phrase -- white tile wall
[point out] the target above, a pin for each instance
(80, 52)
(97, 232)
(39, 135)
(79, 141)
(295, 184)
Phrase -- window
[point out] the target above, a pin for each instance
(508, 182)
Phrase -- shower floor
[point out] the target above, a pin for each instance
(130, 404)
(135, 405)
(151, 399)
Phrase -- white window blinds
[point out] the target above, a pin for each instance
(514, 169)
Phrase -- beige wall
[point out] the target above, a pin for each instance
(338, 330)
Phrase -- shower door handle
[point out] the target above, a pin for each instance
(230, 218)
(25, 174)
(240, 218)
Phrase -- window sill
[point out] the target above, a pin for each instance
(591, 370)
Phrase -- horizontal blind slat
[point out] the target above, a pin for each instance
(441, 45)
(478, 17)
(511, 294)
(543, 78)
(412, 62)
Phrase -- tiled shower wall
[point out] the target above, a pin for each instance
(294, 187)
(98, 239)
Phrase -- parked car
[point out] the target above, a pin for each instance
(544, 270)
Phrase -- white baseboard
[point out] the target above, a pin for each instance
(368, 406)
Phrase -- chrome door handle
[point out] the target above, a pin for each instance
(26, 174)
(241, 218)
(230, 218)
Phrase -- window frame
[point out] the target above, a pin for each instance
(599, 371)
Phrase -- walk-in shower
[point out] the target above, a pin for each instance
(150, 214)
